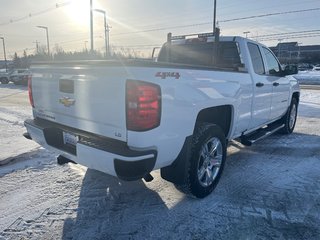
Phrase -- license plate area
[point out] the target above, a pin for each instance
(70, 139)
(66, 86)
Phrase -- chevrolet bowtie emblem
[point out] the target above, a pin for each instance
(66, 101)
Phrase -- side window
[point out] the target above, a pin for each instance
(229, 54)
(273, 64)
(256, 58)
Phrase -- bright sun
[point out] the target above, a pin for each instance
(79, 12)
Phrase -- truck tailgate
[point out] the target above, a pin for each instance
(82, 97)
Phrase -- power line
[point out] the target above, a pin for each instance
(205, 13)
(174, 27)
(277, 34)
(270, 14)
(163, 28)
(265, 37)
(222, 21)
(30, 15)
(291, 37)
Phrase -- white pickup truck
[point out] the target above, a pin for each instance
(128, 118)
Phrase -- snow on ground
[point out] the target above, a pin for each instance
(11, 121)
(308, 77)
(268, 191)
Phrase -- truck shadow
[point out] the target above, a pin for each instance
(258, 182)
(109, 208)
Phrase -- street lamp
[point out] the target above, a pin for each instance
(46, 28)
(4, 52)
(106, 30)
(246, 33)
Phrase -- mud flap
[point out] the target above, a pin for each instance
(177, 171)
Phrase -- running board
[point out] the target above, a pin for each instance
(260, 134)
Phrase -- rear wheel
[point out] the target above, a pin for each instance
(290, 118)
(4, 80)
(206, 161)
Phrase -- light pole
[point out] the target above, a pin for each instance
(214, 15)
(91, 26)
(106, 30)
(246, 33)
(4, 52)
(48, 46)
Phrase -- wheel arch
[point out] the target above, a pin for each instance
(296, 95)
(219, 115)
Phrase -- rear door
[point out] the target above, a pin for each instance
(262, 88)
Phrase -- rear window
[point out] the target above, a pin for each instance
(202, 54)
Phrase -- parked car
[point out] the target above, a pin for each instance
(316, 67)
(20, 76)
(4, 76)
(305, 67)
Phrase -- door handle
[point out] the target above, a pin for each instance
(276, 84)
(259, 84)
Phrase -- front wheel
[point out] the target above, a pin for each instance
(206, 161)
(290, 118)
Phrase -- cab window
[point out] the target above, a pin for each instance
(202, 54)
(273, 65)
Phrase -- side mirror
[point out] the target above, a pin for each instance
(290, 70)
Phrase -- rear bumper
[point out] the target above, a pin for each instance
(93, 151)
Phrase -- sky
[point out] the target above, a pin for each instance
(144, 24)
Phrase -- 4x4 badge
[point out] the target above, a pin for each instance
(164, 75)
(66, 101)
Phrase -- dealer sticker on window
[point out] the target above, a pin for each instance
(69, 138)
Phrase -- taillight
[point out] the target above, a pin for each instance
(30, 90)
(143, 105)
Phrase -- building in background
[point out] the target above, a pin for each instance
(293, 52)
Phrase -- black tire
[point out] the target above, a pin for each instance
(61, 160)
(289, 120)
(204, 135)
(4, 80)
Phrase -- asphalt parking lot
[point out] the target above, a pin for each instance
(268, 191)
